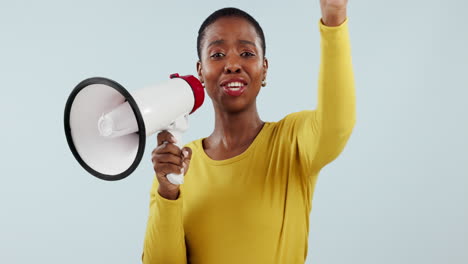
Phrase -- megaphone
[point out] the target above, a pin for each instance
(106, 126)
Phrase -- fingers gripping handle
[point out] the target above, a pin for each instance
(177, 128)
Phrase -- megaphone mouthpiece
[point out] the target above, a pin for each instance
(105, 126)
(118, 122)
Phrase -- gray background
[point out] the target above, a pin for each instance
(397, 194)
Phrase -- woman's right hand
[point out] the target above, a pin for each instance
(168, 158)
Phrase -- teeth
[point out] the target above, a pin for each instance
(234, 84)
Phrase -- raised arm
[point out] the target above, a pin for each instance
(336, 109)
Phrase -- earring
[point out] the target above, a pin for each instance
(264, 83)
(203, 84)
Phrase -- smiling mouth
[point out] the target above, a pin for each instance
(234, 88)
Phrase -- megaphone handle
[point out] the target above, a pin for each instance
(177, 130)
(172, 177)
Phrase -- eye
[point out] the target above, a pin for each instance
(217, 55)
(247, 54)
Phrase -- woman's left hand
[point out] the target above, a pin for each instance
(333, 12)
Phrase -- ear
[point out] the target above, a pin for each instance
(199, 71)
(265, 67)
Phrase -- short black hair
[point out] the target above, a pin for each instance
(229, 12)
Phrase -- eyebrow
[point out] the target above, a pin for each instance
(248, 42)
(221, 41)
(216, 42)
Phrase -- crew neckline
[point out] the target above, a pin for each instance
(239, 157)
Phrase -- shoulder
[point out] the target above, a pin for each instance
(305, 114)
(195, 145)
(297, 119)
(290, 126)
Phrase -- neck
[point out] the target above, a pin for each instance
(235, 130)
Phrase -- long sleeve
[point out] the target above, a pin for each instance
(336, 109)
(164, 240)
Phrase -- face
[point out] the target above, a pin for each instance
(232, 65)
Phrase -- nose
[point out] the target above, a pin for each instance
(232, 66)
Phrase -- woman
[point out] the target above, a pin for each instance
(247, 195)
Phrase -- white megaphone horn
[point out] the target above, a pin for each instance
(106, 126)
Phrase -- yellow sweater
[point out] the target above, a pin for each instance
(259, 213)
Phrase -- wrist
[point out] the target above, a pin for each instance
(334, 19)
(168, 193)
